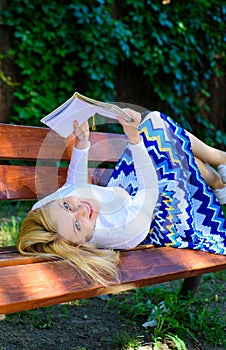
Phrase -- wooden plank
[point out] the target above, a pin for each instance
(9, 256)
(25, 142)
(30, 182)
(30, 286)
(24, 182)
(14, 259)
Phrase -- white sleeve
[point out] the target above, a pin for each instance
(145, 170)
(127, 222)
(77, 173)
(140, 211)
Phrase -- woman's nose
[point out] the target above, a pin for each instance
(81, 210)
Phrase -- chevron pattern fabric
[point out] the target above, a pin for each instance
(187, 213)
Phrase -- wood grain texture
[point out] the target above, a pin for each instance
(41, 284)
(25, 142)
(31, 143)
(41, 144)
(30, 182)
(13, 258)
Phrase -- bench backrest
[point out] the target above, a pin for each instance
(33, 160)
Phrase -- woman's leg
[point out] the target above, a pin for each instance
(210, 175)
(206, 153)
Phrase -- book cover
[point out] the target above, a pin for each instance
(80, 108)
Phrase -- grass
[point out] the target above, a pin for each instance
(11, 217)
(124, 341)
(171, 320)
(39, 318)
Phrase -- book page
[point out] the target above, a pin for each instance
(80, 108)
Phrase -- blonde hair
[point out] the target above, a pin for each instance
(38, 236)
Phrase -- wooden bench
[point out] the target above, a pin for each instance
(33, 282)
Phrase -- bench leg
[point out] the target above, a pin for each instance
(190, 284)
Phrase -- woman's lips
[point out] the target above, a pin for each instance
(89, 207)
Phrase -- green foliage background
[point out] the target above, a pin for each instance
(64, 46)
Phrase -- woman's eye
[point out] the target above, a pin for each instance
(77, 225)
(66, 206)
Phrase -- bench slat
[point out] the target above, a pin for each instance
(46, 144)
(9, 256)
(24, 182)
(24, 142)
(29, 286)
(14, 259)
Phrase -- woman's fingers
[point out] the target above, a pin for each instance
(82, 130)
(131, 127)
(136, 116)
(75, 127)
(81, 134)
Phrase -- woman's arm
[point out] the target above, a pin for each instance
(134, 220)
(77, 173)
(141, 209)
(77, 170)
(145, 171)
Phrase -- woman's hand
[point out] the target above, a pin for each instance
(81, 134)
(131, 128)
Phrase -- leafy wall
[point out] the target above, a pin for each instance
(157, 54)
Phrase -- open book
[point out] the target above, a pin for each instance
(80, 108)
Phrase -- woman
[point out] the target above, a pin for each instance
(155, 195)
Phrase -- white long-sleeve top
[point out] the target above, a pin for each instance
(123, 221)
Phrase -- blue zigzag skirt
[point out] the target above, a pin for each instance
(187, 213)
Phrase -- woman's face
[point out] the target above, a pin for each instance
(75, 217)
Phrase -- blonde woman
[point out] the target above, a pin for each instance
(163, 191)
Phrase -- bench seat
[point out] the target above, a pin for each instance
(32, 282)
